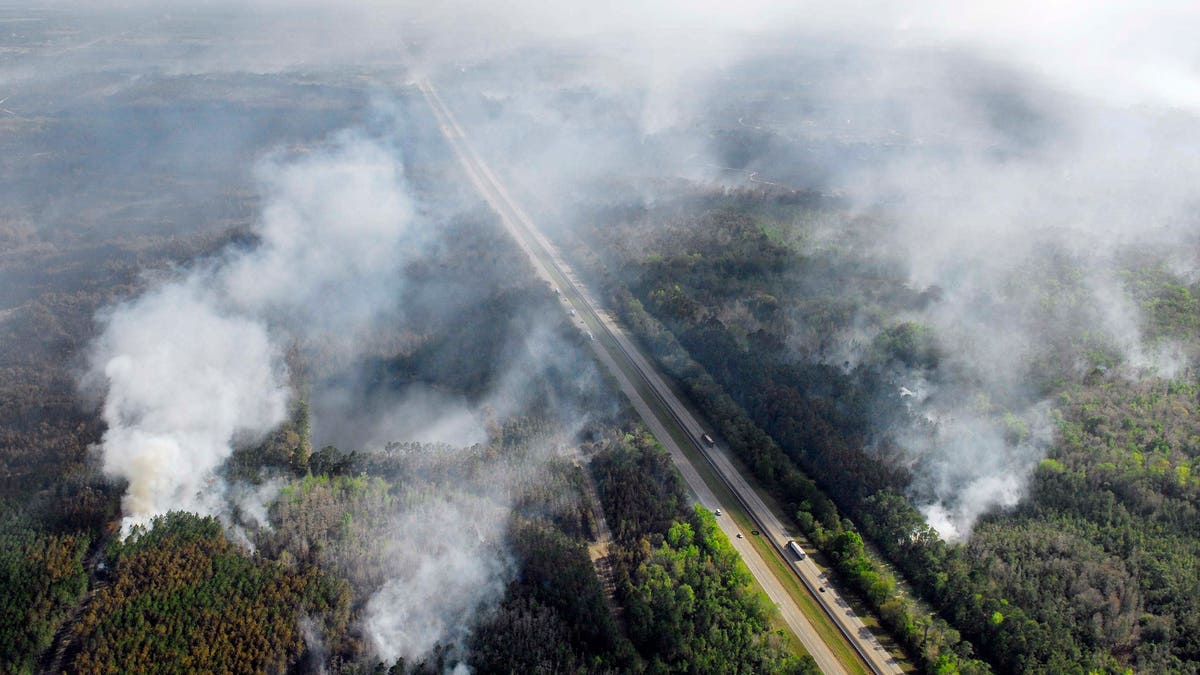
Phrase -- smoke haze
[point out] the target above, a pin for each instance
(991, 137)
(446, 570)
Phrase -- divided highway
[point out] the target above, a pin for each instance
(673, 424)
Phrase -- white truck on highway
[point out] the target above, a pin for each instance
(795, 548)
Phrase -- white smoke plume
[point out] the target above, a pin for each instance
(185, 379)
(336, 228)
(447, 568)
(446, 551)
(194, 367)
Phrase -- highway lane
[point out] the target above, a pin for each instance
(634, 374)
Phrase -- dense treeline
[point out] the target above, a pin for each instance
(1121, 482)
(1093, 571)
(691, 608)
(555, 616)
(181, 598)
(44, 577)
(690, 604)
(683, 596)
(341, 526)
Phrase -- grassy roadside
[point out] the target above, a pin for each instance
(864, 612)
(731, 508)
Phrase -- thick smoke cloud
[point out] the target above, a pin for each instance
(1021, 204)
(185, 379)
(195, 366)
(996, 140)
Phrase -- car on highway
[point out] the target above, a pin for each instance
(717, 512)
